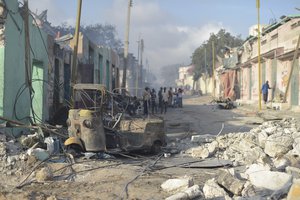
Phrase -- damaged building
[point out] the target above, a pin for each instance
(23, 82)
(278, 44)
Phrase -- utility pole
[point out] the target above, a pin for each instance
(74, 63)
(28, 71)
(213, 72)
(138, 68)
(258, 56)
(126, 46)
(205, 70)
(142, 51)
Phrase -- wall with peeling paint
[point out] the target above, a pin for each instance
(14, 93)
(277, 49)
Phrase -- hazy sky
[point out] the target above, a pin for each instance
(171, 29)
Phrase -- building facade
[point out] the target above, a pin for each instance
(278, 44)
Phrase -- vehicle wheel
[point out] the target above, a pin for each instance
(74, 149)
(156, 147)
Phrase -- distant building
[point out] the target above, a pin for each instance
(185, 77)
(97, 64)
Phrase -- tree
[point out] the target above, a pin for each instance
(103, 35)
(221, 39)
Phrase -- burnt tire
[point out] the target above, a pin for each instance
(156, 147)
(74, 149)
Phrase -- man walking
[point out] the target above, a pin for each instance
(165, 99)
(153, 101)
(264, 90)
(146, 99)
(160, 97)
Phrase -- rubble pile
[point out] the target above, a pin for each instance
(13, 161)
(225, 103)
(266, 162)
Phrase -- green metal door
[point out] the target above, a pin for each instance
(38, 87)
(295, 85)
(274, 77)
(250, 83)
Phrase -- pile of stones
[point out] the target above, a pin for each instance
(13, 160)
(266, 162)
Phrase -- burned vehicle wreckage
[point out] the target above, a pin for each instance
(103, 121)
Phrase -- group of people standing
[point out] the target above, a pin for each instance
(166, 98)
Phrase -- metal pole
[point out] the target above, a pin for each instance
(126, 46)
(74, 62)
(258, 46)
(28, 72)
(137, 71)
(205, 71)
(213, 72)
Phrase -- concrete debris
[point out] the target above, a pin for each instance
(44, 174)
(225, 103)
(252, 192)
(278, 144)
(231, 183)
(211, 189)
(187, 194)
(12, 159)
(178, 184)
(294, 192)
(294, 171)
(29, 140)
(269, 140)
(202, 138)
(270, 180)
(205, 151)
(270, 153)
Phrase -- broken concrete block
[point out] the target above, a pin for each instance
(296, 146)
(250, 192)
(294, 171)
(44, 174)
(294, 192)
(199, 152)
(262, 138)
(187, 194)
(280, 163)
(178, 184)
(30, 140)
(204, 151)
(230, 182)
(211, 189)
(251, 156)
(278, 144)
(270, 130)
(256, 168)
(202, 138)
(270, 180)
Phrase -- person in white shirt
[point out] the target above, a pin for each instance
(146, 99)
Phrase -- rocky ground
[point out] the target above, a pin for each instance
(211, 153)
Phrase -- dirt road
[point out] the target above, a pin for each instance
(141, 176)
